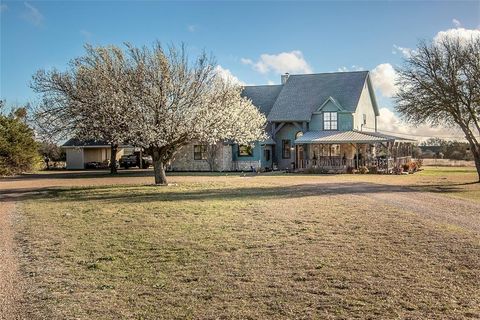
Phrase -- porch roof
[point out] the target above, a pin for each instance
(353, 136)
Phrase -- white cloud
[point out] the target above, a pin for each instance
(246, 61)
(456, 23)
(192, 28)
(3, 7)
(291, 62)
(352, 68)
(461, 33)
(406, 52)
(32, 15)
(227, 75)
(389, 122)
(270, 82)
(87, 34)
(383, 79)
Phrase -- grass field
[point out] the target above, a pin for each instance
(264, 247)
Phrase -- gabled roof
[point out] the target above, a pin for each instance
(74, 142)
(352, 136)
(303, 94)
(335, 102)
(263, 97)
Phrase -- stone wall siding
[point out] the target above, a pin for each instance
(244, 165)
(184, 160)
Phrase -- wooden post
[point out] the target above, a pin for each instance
(141, 162)
(356, 151)
(388, 156)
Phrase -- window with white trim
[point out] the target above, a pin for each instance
(330, 120)
(200, 152)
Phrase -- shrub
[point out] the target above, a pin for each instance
(363, 170)
(412, 167)
(419, 163)
(405, 167)
(397, 170)
(350, 170)
(373, 169)
(309, 170)
(18, 148)
(316, 171)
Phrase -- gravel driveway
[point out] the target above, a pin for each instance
(10, 279)
(437, 207)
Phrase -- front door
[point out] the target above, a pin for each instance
(299, 163)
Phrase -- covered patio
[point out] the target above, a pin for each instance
(340, 151)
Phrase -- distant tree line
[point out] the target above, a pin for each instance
(444, 149)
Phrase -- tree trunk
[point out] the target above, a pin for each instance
(474, 146)
(159, 168)
(475, 149)
(212, 151)
(113, 158)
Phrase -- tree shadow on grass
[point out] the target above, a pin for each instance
(122, 173)
(130, 194)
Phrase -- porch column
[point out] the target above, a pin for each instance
(388, 156)
(356, 151)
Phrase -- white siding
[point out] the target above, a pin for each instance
(365, 106)
(74, 158)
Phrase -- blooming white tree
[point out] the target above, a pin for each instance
(153, 98)
(90, 101)
(179, 101)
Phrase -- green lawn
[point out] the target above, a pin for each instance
(266, 247)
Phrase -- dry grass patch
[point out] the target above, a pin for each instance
(246, 248)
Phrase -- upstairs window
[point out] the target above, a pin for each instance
(330, 121)
(200, 152)
(245, 151)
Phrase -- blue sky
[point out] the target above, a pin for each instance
(254, 41)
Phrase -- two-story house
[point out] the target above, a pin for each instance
(323, 120)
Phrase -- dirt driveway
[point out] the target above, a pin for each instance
(23, 187)
(435, 207)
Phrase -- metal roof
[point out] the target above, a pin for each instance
(347, 137)
(389, 136)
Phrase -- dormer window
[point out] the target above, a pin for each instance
(330, 121)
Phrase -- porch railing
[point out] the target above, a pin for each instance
(341, 163)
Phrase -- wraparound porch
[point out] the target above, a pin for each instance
(344, 151)
(338, 163)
